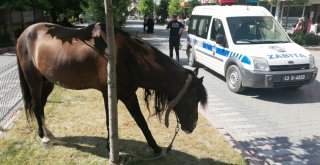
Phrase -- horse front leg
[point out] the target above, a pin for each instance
(105, 99)
(135, 111)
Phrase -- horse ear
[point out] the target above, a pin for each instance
(196, 71)
(201, 80)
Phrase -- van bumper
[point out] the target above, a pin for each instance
(258, 79)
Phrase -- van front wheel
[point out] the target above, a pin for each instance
(234, 79)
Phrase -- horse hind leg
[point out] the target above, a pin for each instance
(47, 88)
(40, 92)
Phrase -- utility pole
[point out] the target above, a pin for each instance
(112, 85)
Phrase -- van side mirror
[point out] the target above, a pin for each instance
(221, 40)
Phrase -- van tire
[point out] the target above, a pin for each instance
(234, 79)
(191, 57)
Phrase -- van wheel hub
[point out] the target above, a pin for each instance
(234, 78)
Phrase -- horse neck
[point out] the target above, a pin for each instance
(168, 78)
(153, 69)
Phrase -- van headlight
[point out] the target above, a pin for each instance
(260, 64)
(312, 62)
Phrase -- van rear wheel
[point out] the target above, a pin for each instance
(234, 79)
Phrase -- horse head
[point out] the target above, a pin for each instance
(185, 105)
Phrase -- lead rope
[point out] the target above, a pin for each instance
(174, 137)
(126, 157)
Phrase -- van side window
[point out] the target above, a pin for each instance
(203, 28)
(193, 25)
(216, 29)
(199, 26)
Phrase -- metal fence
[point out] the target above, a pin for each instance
(10, 92)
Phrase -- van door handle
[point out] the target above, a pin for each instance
(214, 50)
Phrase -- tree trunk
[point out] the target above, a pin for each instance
(22, 20)
(112, 85)
(277, 14)
(288, 12)
(53, 16)
(10, 27)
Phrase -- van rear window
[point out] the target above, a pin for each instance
(199, 26)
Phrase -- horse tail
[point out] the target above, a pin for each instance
(27, 99)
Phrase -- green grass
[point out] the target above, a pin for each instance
(77, 119)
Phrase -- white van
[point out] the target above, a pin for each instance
(247, 46)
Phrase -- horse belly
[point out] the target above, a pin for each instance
(72, 73)
(74, 77)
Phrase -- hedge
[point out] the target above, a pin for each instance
(305, 39)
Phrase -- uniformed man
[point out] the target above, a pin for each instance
(176, 29)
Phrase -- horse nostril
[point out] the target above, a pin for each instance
(194, 125)
(187, 132)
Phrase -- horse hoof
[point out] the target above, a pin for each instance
(47, 145)
(157, 152)
(160, 155)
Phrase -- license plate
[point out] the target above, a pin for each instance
(296, 77)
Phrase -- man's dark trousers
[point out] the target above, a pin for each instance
(174, 43)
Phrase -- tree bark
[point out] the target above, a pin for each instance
(277, 14)
(288, 12)
(10, 27)
(112, 85)
(53, 16)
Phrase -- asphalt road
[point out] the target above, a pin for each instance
(268, 126)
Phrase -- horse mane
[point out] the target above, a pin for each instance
(161, 98)
(160, 101)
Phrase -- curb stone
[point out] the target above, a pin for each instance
(314, 48)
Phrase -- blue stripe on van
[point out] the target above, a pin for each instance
(223, 52)
(246, 60)
(207, 46)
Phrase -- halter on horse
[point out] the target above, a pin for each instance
(77, 59)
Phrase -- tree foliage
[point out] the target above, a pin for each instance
(295, 2)
(162, 9)
(120, 11)
(11, 4)
(174, 8)
(192, 4)
(54, 7)
(95, 11)
(146, 7)
(15, 4)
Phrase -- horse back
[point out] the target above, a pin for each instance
(72, 58)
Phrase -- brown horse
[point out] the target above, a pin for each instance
(50, 54)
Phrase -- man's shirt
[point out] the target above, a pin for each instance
(174, 27)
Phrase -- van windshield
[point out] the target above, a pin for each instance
(256, 30)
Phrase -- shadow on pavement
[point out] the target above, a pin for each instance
(279, 149)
